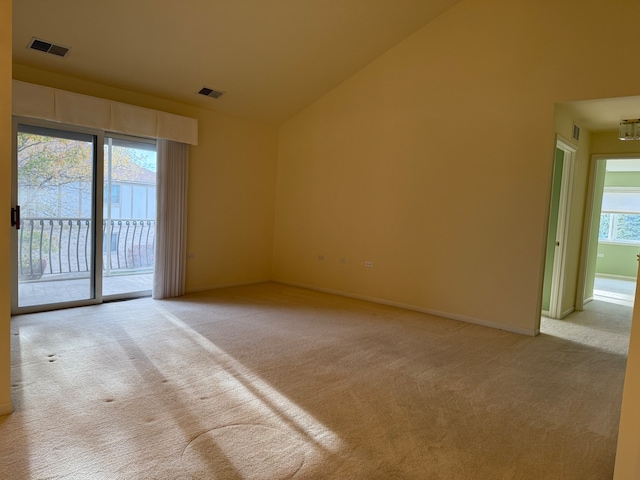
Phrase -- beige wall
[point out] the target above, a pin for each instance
(5, 191)
(434, 161)
(231, 186)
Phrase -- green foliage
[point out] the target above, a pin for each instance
(628, 227)
(51, 161)
(605, 222)
(47, 161)
(55, 175)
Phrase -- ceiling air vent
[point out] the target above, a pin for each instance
(210, 92)
(48, 47)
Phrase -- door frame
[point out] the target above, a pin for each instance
(98, 180)
(562, 234)
(587, 244)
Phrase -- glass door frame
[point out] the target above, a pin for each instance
(96, 215)
(118, 140)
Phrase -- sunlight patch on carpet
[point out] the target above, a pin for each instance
(290, 429)
(267, 453)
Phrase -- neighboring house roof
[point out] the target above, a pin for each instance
(133, 173)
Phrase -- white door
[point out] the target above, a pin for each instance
(559, 216)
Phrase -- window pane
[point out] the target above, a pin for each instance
(129, 216)
(628, 227)
(605, 222)
(55, 190)
(620, 201)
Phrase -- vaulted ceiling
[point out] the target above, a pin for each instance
(272, 58)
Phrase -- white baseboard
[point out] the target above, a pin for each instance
(617, 277)
(226, 285)
(460, 318)
(6, 408)
(545, 313)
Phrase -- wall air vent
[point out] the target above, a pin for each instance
(210, 92)
(575, 134)
(48, 47)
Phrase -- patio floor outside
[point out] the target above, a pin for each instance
(47, 292)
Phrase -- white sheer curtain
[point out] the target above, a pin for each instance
(171, 219)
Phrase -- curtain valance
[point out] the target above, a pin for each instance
(37, 101)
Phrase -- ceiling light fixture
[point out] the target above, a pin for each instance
(629, 130)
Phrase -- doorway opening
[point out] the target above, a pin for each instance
(608, 318)
(615, 231)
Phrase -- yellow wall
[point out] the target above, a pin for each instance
(231, 186)
(607, 142)
(434, 161)
(5, 191)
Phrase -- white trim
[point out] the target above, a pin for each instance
(460, 318)
(567, 312)
(452, 316)
(581, 301)
(562, 235)
(226, 285)
(545, 313)
(6, 408)
(622, 189)
(620, 243)
(619, 277)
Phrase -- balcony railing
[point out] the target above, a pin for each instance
(53, 247)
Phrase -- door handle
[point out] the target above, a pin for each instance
(15, 217)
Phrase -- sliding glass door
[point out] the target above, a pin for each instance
(129, 216)
(54, 246)
(84, 208)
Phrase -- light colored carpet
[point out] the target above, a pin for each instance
(275, 382)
